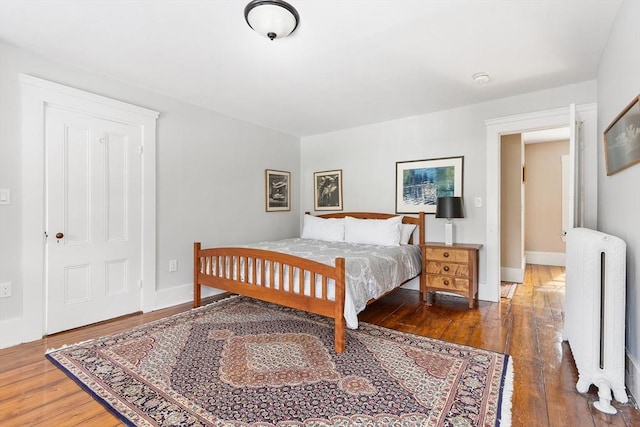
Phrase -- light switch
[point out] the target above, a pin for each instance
(5, 196)
(478, 202)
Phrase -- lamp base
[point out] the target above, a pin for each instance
(448, 234)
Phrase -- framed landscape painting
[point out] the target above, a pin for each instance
(419, 183)
(327, 190)
(278, 190)
(622, 139)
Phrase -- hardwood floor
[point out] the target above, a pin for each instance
(528, 327)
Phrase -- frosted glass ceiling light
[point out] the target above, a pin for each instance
(271, 18)
(481, 78)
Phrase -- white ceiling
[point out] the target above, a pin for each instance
(349, 63)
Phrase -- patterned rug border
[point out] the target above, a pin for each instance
(506, 395)
(126, 421)
(504, 405)
(143, 325)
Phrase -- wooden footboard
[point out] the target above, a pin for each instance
(281, 278)
(273, 277)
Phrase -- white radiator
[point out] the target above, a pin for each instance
(594, 320)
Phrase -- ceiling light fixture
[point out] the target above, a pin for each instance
(481, 78)
(271, 18)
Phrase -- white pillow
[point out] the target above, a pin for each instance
(406, 230)
(327, 229)
(373, 231)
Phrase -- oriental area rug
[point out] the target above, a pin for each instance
(241, 362)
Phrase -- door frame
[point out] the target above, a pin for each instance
(36, 94)
(547, 119)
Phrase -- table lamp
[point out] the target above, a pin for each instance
(449, 208)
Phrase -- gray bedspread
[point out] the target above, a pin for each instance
(371, 270)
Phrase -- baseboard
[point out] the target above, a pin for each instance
(488, 293)
(484, 293)
(546, 258)
(632, 378)
(508, 274)
(11, 332)
(176, 295)
(14, 331)
(413, 284)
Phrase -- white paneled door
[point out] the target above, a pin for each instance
(93, 219)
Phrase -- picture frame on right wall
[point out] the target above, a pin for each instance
(622, 139)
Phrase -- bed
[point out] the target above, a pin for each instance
(312, 273)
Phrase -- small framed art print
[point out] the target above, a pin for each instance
(278, 190)
(327, 190)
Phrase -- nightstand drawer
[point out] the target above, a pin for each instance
(448, 269)
(447, 254)
(447, 282)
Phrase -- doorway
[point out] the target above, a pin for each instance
(561, 117)
(36, 95)
(532, 200)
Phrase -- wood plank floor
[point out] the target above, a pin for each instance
(528, 327)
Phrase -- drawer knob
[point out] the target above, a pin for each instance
(446, 282)
(446, 268)
(446, 254)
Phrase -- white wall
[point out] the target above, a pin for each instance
(543, 197)
(368, 155)
(210, 176)
(619, 194)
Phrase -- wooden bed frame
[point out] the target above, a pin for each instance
(229, 269)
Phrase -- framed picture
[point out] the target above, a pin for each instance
(622, 139)
(419, 183)
(327, 190)
(278, 190)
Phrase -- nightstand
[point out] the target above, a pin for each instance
(450, 268)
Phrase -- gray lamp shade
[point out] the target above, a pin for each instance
(449, 207)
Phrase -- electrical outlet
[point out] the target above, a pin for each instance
(173, 265)
(5, 290)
